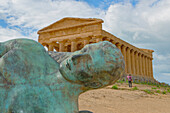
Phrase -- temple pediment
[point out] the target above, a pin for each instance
(69, 22)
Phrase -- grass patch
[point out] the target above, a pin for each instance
(114, 87)
(143, 83)
(120, 81)
(135, 88)
(163, 92)
(168, 90)
(148, 91)
(154, 88)
(136, 82)
(158, 91)
(151, 84)
(158, 86)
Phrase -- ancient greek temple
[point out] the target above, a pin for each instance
(71, 34)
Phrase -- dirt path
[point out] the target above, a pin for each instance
(109, 100)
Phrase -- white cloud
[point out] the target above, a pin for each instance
(7, 34)
(143, 22)
(166, 74)
(164, 77)
(162, 57)
(39, 13)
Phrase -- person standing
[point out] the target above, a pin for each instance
(129, 77)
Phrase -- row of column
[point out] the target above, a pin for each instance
(61, 47)
(135, 62)
(74, 45)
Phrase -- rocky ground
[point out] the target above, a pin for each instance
(138, 99)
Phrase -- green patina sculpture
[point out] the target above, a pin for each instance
(35, 81)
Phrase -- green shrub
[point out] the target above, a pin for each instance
(136, 82)
(120, 81)
(135, 88)
(148, 91)
(168, 90)
(144, 83)
(153, 87)
(158, 91)
(114, 87)
(158, 86)
(150, 83)
(164, 92)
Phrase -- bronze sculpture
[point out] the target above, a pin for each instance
(32, 81)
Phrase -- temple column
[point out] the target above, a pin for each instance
(143, 65)
(132, 62)
(119, 46)
(56, 48)
(128, 61)
(73, 46)
(124, 55)
(47, 47)
(146, 64)
(85, 42)
(61, 46)
(151, 68)
(140, 64)
(137, 63)
(98, 39)
(50, 47)
(113, 42)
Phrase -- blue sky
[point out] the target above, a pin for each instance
(143, 23)
(3, 23)
(104, 4)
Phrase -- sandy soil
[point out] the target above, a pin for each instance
(125, 100)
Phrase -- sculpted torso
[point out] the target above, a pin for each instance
(32, 81)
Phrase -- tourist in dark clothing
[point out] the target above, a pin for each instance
(129, 77)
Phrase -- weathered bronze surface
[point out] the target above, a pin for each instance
(35, 81)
